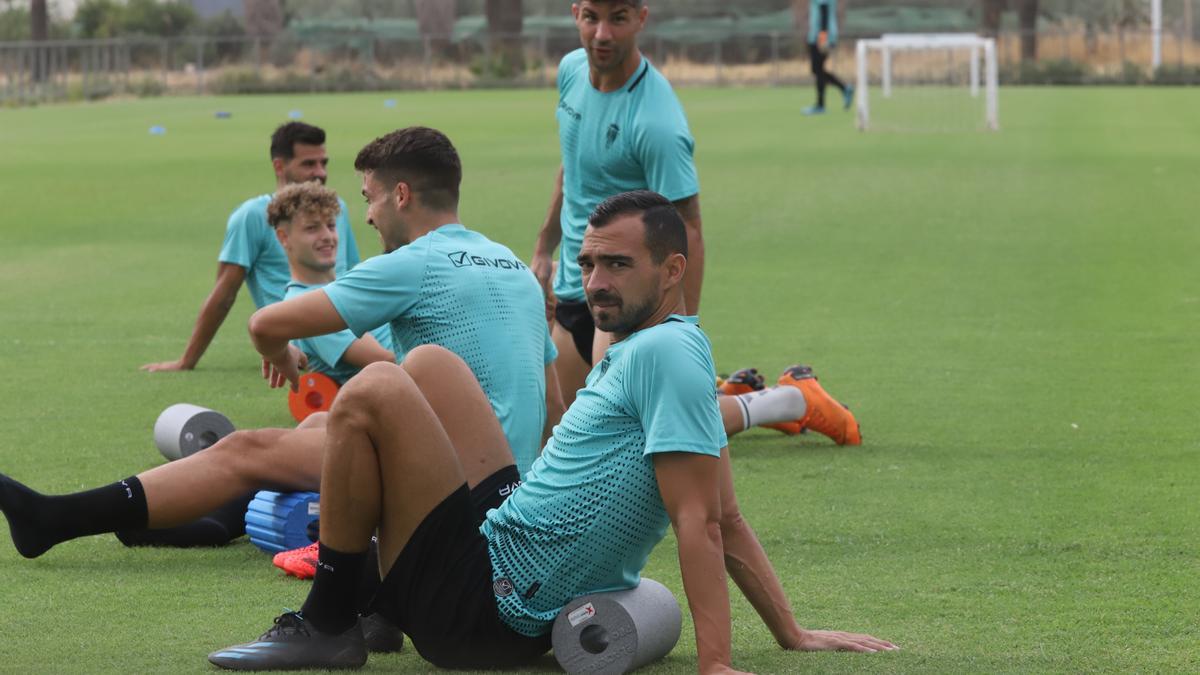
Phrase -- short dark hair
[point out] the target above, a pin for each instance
(422, 157)
(285, 138)
(636, 4)
(664, 230)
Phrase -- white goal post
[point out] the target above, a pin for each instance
(979, 52)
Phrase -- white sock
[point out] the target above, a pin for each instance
(769, 406)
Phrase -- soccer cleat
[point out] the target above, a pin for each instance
(813, 110)
(743, 381)
(823, 413)
(847, 96)
(299, 562)
(293, 644)
(381, 635)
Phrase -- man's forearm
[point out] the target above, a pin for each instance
(212, 314)
(700, 561)
(693, 276)
(747, 563)
(550, 235)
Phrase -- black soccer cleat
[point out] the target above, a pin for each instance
(381, 635)
(294, 644)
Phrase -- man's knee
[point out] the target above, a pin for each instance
(245, 451)
(378, 385)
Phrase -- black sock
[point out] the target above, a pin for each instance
(368, 583)
(37, 522)
(332, 605)
(216, 528)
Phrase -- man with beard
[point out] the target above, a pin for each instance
(250, 252)
(641, 448)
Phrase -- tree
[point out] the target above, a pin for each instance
(992, 11)
(1027, 16)
(504, 23)
(435, 18)
(264, 18)
(39, 20)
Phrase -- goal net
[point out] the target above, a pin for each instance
(927, 82)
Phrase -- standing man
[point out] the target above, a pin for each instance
(641, 449)
(822, 37)
(250, 252)
(620, 128)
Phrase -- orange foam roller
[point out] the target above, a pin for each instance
(316, 394)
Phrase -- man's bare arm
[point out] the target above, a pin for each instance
(212, 314)
(747, 563)
(303, 316)
(548, 240)
(554, 402)
(366, 350)
(689, 484)
(693, 279)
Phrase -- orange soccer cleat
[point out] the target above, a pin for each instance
(299, 562)
(824, 414)
(749, 380)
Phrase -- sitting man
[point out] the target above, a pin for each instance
(428, 286)
(641, 447)
(304, 216)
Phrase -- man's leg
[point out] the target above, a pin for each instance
(571, 368)
(168, 495)
(389, 461)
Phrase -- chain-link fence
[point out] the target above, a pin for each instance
(93, 69)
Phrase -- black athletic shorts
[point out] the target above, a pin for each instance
(439, 591)
(577, 319)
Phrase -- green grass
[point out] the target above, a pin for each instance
(1012, 316)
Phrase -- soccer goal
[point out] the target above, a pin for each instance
(927, 82)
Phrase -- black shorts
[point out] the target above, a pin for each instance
(439, 591)
(577, 319)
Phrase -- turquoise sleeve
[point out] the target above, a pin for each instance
(243, 237)
(379, 289)
(675, 395)
(664, 148)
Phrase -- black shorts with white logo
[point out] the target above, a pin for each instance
(439, 591)
(577, 319)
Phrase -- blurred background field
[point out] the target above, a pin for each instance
(1012, 316)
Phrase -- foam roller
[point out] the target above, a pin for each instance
(278, 521)
(315, 394)
(184, 429)
(617, 632)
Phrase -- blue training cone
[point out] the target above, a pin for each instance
(278, 521)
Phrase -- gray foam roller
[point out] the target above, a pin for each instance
(184, 429)
(617, 632)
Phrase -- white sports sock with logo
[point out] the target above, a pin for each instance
(769, 406)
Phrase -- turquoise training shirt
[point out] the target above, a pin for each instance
(456, 288)
(634, 138)
(589, 512)
(325, 352)
(250, 243)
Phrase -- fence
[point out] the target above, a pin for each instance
(93, 69)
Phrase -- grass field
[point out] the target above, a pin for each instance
(1012, 316)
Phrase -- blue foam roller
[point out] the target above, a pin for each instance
(278, 521)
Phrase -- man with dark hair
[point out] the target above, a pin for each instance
(641, 447)
(439, 284)
(250, 252)
(620, 128)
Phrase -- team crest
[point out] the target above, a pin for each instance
(502, 587)
(611, 136)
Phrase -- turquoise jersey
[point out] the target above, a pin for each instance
(589, 512)
(250, 243)
(458, 289)
(814, 21)
(634, 138)
(325, 352)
